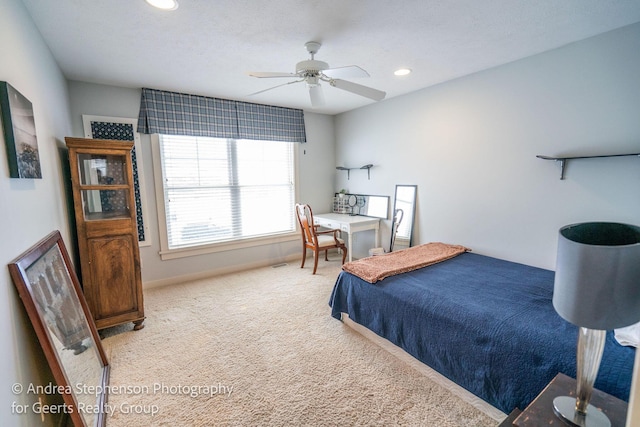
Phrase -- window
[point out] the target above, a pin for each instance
(222, 190)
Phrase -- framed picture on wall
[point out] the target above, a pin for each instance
(19, 130)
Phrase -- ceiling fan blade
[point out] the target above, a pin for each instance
(317, 96)
(268, 74)
(367, 92)
(348, 72)
(273, 87)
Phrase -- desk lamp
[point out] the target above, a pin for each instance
(597, 288)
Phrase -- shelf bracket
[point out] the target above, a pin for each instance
(342, 168)
(563, 164)
(367, 167)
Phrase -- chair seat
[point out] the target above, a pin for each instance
(327, 240)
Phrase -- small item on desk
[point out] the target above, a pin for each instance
(376, 251)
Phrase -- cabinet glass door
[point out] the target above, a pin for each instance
(104, 186)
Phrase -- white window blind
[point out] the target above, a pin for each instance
(220, 190)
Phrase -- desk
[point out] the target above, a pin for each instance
(349, 223)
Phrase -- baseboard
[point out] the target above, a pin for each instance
(296, 257)
(219, 271)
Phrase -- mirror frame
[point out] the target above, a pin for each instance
(405, 215)
(18, 269)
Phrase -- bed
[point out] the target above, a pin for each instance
(486, 324)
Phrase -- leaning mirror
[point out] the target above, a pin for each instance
(404, 208)
(51, 294)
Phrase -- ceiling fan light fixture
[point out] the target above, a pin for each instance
(164, 4)
(313, 81)
(402, 71)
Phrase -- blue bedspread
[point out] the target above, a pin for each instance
(486, 324)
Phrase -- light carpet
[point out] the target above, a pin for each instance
(259, 348)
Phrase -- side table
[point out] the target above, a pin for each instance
(540, 411)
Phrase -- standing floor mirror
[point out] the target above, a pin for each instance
(404, 210)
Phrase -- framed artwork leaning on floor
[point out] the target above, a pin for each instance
(51, 294)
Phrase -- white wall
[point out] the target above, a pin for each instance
(29, 208)
(471, 144)
(315, 183)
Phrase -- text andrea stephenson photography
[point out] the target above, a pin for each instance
(125, 407)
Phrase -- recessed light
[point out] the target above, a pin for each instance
(402, 72)
(164, 4)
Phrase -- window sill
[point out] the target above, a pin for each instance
(167, 254)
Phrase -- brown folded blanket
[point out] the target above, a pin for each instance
(374, 268)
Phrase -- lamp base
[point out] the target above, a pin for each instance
(565, 408)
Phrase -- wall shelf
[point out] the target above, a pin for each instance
(564, 159)
(367, 167)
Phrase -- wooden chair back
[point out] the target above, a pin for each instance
(305, 219)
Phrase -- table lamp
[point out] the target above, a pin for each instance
(597, 288)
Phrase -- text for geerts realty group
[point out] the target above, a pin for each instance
(92, 405)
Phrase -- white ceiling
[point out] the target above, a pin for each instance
(206, 47)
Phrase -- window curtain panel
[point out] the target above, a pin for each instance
(172, 113)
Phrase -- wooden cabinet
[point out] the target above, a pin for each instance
(104, 205)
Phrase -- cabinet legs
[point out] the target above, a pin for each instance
(138, 324)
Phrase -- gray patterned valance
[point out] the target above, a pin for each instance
(172, 113)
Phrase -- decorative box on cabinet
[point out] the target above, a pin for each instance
(104, 205)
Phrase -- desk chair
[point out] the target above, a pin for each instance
(316, 240)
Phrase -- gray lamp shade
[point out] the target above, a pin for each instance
(597, 279)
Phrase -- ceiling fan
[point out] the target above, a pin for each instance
(312, 72)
